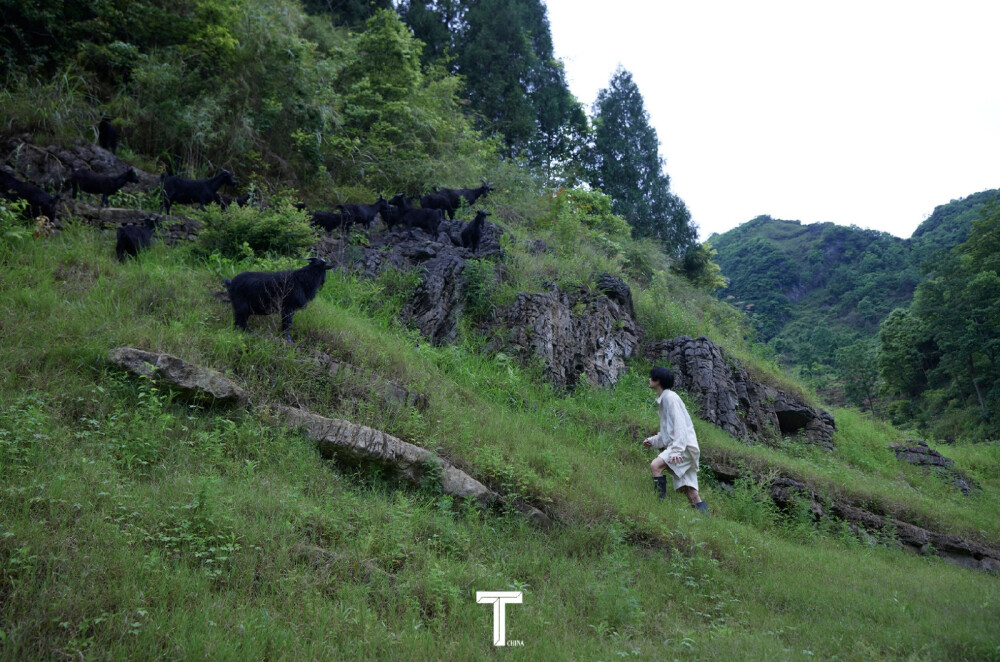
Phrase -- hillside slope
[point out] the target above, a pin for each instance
(815, 288)
(136, 524)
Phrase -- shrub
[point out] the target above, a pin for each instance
(238, 231)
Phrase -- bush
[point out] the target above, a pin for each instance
(240, 232)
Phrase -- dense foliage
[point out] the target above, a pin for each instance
(821, 295)
(943, 355)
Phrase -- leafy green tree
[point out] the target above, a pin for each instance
(901, 362)
(628, 167)
(526, 99)
(401, 128)
(697, 266)
(858, 368)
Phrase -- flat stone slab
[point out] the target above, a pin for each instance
(362, 445)
(190, 380)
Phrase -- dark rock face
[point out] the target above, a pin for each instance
(577, 335)
(49, 167)
(915, 451)
(731, 399)
(437, 304)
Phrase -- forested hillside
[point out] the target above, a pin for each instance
(475, 392)
(819, 293)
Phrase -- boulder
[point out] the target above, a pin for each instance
(731, 399)
(360, 445)
(189, 380)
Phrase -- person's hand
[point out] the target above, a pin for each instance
(675, 459)
(647, 443)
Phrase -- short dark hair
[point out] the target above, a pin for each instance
(662, 375)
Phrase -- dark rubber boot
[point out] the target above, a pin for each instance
(660, 486)
(703, 507)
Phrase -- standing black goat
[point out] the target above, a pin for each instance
(193, 191)
(266, 293)
(364, 214)
(473, 232)
(105, 185)
(427, 219)
(39, 202)
(450, 199)
(329, 220)
(107, 134)
(133, 238)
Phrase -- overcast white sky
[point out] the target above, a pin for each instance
(868, 113)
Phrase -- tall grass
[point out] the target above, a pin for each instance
(135, 525)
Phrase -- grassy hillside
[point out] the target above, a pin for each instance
(134, 525)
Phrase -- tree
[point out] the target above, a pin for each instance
(526, 99)
(859, 370)
(901, 363)
(628, 167)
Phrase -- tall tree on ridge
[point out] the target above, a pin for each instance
(516, 86)
(627, 166)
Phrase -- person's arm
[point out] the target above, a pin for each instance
(656, 441)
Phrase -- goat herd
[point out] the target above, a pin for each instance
(252, 292)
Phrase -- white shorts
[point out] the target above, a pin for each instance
(684, 473)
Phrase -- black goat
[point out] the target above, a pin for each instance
(427, 219)
(39, 202)
(107, 134)
(266, 293)
(329, 220)
(133, 238)
(106, 185)
(473, 232)
(364, 214)
(193, 191)
(450, 199)
(225, 201)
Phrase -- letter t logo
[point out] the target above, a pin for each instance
(499, 600)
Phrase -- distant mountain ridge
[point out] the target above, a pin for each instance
(814, 288)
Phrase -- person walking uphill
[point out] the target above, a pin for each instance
(677, 439)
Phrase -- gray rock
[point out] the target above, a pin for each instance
(867, 524)
(190, 380)
(917, 452)
(360, 445)
(730, 398)
(578, 336)
(388, 392)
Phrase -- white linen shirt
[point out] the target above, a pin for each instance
(676, 434)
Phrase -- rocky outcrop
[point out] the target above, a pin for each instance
(436, 306)
(917, 452)
(361, 445)
(578, 335)
(369, 385)
(50, 167)
(730, 398)
(955, 549)
(191, 381)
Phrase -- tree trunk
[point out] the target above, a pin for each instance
(975, 384)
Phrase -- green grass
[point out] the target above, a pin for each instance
(134, 525)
